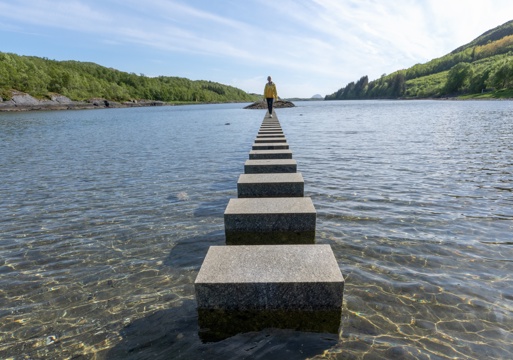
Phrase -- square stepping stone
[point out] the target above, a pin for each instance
(249, 288)
(305, 277)
(260, 166)
(269, 146)
(270, 154)
(270, 139)
(281, 220)
(271, 185)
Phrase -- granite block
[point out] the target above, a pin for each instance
(270, 166)
(250, 288)
(270, 135)
(270, 154)
(270, 139)
(280, 220)
(271, 185)
(269, 146)
(270, 277)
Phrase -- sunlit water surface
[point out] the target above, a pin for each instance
(106, 216)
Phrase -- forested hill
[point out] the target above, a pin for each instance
(484, 66)
(81, 81)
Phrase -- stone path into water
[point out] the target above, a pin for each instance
(270, 273)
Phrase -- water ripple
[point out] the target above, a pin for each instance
(106, 216)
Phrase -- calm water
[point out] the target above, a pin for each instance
(106, 216)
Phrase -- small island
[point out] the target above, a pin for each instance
(278, 104)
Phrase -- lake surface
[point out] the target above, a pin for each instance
(106, 216)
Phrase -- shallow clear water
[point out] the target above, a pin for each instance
(106, 216)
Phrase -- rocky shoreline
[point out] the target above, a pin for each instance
(24, 102)
(21, 101)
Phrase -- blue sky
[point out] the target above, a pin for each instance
(308, 46)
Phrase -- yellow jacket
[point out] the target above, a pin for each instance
(270, 91)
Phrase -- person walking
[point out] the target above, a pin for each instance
(270, 94)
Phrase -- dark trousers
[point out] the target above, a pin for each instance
(270, 105)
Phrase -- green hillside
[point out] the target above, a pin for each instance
(481, 68)
(80, 81)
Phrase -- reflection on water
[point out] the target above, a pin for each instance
(106, 216)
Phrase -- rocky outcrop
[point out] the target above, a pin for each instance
(278, 104)
(19, 98)
(23, 101)
(61, 99)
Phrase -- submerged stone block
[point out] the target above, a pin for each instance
(280, 220)
(270, 139)
(269, 146)
(271, 185)
(248, 288)
(270, 135)
(270, 154)
(219, 324)
(270, 166)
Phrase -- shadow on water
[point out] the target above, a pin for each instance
(189, 253)
(174, 333)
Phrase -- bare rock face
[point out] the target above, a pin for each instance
(61, 99)
(22, 99)
(278, 104)
(56, 100)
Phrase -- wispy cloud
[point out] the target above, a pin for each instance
(72, 15)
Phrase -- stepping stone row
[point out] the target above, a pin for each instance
(272, 274)
(270, 208)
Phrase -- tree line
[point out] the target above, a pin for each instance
(483, 65)
(81, 81)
